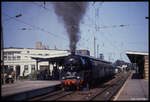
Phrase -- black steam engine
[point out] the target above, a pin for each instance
(84, 71)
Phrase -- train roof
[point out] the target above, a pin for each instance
(93, 58)
(62, 56)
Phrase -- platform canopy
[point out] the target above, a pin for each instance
(135, 56)
(138, 59)
(54, 57)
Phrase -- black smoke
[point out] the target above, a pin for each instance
(71, 14)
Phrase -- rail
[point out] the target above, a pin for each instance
(105, 94)
(56, 95)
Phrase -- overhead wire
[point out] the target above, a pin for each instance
(111, 41)
(97, 27)
(33, 26)
(45, 8)
(39, 28)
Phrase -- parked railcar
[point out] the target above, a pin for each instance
(81, 71)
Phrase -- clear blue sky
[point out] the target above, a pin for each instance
(102, 20)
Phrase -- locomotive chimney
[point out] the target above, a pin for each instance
(72, 51)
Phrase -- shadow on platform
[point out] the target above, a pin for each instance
(136, 76)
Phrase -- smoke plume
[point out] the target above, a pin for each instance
(71, 14)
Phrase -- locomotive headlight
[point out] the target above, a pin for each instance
(63, 78)
(78, 77)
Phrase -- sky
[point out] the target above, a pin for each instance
(102, 20)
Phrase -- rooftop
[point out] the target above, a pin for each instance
(137, 53)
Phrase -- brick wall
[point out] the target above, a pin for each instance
(146, 67)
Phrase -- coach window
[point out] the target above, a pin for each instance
(26, 68)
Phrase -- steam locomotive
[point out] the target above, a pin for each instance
(83, 71)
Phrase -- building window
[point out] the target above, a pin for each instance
(5, 69)
(10, 69)
(17, 52)
(14, 57)
(9, 57)
(5, 57)
(5, 53)
(26, 68)
(18, 57)
(46, 54)
(28, 51)
(32, 67)
(9, 53)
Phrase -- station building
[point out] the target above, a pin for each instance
(141, 63)
(21, 61)
(24, 61)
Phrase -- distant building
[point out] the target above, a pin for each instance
(84, 52)
(101, 56)
(40, 46)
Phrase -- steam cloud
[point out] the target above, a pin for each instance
(71, 13)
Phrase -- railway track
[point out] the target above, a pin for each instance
(108, 92)
(104, 92)
(56, 95)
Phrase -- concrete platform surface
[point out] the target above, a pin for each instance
(134, 89)
(27, 87)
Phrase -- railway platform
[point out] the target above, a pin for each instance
(22, 90)
(133, 89)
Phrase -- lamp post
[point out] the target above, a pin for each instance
(2, 58)
(2, 47)
(121, 55)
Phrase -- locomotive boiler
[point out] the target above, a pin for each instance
(84, 71)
